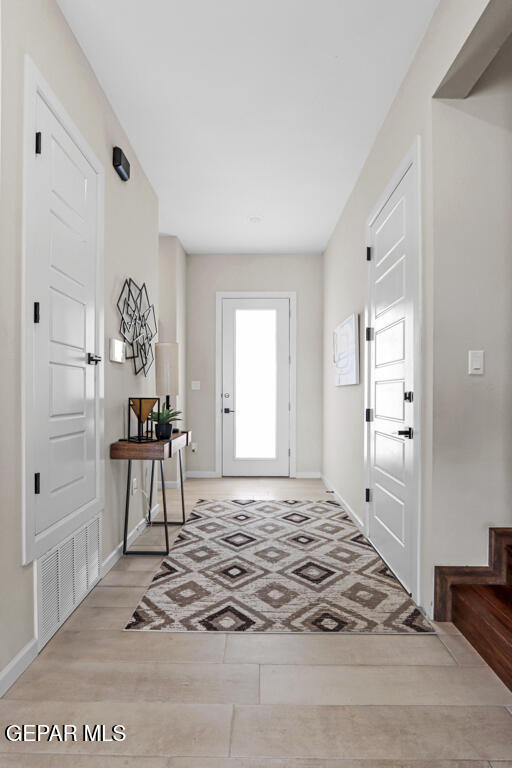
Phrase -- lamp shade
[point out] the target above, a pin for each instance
(167, 370)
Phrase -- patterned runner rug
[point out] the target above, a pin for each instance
(274, 566)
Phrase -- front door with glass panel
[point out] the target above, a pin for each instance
(255, 386)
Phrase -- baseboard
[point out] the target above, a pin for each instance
(168, 484)
(16, 666)
(346, 506)
(117, 553)
(199, 473)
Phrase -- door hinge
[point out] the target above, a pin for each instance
(368, 253)
(368, 414)
(38, 142)
(289, 406)
(367, 494)
(36, 311)
(37, 482)
(408, 397)
(369, 334)
(289, 451)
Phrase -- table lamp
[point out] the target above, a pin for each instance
(167, 370)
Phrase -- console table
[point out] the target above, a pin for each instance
(154, 450)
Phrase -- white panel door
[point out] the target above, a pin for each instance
(62, 389)
(392, 310)
(255, 386)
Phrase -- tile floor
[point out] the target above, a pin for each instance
(254, 701)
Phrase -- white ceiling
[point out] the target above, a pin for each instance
(244, 109)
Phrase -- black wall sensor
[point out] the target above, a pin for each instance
(121, 164)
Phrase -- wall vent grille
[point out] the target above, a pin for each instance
(65, 575)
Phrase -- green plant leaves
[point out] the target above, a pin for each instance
(167, 415)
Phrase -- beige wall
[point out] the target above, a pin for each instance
(172, 319)
(37, 27)
(472, 478)
(207, 274)
(345, 271)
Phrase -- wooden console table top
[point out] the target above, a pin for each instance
(156, 450)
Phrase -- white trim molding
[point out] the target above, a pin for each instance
(346, 506)
(292, 297)
(117, 552)
(308, 475)
(17, 665)
(198, 473)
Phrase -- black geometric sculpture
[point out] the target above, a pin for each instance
(138, 325)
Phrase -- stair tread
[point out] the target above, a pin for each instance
(499, 594)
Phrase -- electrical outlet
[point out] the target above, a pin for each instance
(193, 447)
(134, 485)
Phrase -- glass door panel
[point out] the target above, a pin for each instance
(255, 383)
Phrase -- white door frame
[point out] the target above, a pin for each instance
(35, 85)
(412, 164)
(292, 296)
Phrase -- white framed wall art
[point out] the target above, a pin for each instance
(346, 352)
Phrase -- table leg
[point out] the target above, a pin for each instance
(127, 506)
(151, 492)
(182, 490)
(150, 552)
(165, 506)
(165, 521)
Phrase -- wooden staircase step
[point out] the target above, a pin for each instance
(483, 613)
(498, 571)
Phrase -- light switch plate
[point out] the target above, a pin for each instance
(476, 362)
(196, 385)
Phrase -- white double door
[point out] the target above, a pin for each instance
(62, 307)
(255, 398)
(392, 394)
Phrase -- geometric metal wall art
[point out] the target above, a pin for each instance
(138, 325)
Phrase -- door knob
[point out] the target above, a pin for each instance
(228, 410)
(93, 359)
(406, 432)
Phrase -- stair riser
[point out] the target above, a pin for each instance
(492, 640)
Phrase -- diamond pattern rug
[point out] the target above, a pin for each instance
(274, 566)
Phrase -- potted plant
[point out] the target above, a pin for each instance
(164, 421)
